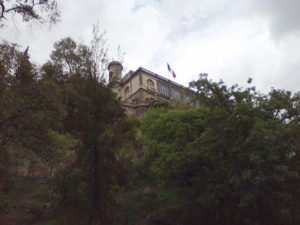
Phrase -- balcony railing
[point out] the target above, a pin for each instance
(151, 89)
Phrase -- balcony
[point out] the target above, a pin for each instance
(151, 89)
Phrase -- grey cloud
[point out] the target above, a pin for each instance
(189, 24)
(139, 4)
(201, 16)
(285, 18)
(283, 15)
(228, 39)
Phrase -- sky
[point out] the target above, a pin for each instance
(227, 39)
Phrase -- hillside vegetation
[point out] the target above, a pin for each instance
(69, 155)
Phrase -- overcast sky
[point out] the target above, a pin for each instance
(230, 40)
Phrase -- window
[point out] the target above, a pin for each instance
(163, 88)
(150, 84)
(111, 74)
(187, 97)
(141, 79)
(127, 90)
(149, 100)
(175, 93)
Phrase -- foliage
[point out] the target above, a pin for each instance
(231, 161)
(29, 109)
(62, 132)
(94, 118)
(69, 154)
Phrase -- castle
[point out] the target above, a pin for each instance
(137, 90)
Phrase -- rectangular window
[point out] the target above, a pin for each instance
(141, 79)
(187, 97)
(175, 93)
(163, 88)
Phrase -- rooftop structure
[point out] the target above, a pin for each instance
(137, 90)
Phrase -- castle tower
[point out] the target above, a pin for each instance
(115, 72)
(115, 76)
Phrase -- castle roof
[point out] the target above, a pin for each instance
(141, 69)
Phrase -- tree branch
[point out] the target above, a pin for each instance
(15, 116)
(8, 119)
(3, 9)
(26, 9)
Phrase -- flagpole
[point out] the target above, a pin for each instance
(168, 71)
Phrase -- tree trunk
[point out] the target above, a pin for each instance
(94, 184)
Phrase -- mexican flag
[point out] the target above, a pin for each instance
(171, 71)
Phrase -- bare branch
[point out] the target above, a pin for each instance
(32, 10)
(2, 10)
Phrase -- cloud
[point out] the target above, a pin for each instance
(283, 16)
(230, 40)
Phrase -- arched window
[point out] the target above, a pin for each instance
(150, 84)
(127, 90)
(135, 101)
(111, 74)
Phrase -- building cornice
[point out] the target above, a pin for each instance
(155, 75)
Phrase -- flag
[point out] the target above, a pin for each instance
(171, 71)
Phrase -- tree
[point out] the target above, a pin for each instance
(31, 109)
(24, 96)
(232, 161)
(62, 134)
(95, 119)
(38, 10)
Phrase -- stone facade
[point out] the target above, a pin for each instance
(137, 90)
